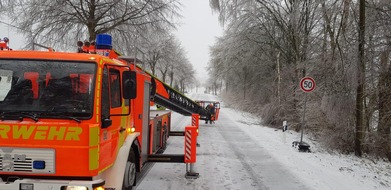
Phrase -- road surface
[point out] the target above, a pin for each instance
(228, 158)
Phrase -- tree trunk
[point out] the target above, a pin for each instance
(226, 84)
(278, 79)
(164, 74)
(384, 106)
(245, 82)
(359, 138)
(329, 30)
(215, 87)
(221, 85)
(171, 75)
(92, 22)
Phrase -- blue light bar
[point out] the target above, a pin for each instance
(103, 41)
(39, 164)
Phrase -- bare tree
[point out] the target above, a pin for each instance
(269, 45)
(156, 50)
(174, 54)
(185, 75)
(54, 21)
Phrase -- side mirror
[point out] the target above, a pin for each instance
(129, 85)
(106, 122)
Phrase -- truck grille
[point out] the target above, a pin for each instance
(20, 160)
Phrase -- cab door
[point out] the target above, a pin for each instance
(112, 110)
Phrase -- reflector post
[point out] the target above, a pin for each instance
(190, 144)
(195, 121)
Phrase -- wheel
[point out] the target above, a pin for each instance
(130, 172)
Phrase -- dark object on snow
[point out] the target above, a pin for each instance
(303, 146)
(211, 111)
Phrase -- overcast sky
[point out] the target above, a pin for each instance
(198, 32)
(7, 31)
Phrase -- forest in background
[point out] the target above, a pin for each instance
(269, 45)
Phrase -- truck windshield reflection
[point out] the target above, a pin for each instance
(46, 89)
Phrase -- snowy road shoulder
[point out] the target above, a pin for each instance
(319, 169)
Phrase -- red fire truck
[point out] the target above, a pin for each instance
(82, 121)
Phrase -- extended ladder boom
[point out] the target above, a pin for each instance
(165, 95)
(174, 100)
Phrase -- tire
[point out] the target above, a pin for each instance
(130, 172)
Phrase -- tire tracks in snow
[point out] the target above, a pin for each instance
(263, 170)
(231, 140)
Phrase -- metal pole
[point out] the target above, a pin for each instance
(303, 121)
(192, 168)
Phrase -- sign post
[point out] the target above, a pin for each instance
(307, 84)
(303, 121)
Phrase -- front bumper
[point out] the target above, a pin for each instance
(38, 184)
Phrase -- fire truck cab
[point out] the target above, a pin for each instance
(63, 116)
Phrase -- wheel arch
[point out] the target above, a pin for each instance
(114, 175)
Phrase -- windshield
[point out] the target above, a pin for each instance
(46, 88)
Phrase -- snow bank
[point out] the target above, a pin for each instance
(318, 169)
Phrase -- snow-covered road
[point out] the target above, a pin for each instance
(237, 153)
(227, 159)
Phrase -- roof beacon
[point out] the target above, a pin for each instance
(104, 46)
(103, 41)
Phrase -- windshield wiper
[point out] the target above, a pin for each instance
(73, 118)
(61, 115)
(18, 115)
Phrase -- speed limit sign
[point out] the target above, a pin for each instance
(307, 84)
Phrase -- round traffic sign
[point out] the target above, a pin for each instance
(307, 84)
